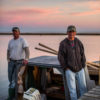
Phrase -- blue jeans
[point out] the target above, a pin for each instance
(71, 78)
(13, 69)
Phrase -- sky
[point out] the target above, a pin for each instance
(50, 15)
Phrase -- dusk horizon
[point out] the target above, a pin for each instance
(50, 16)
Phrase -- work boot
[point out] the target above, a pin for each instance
(11, 94)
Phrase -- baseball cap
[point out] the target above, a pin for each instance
(71, 28)
(15, 29)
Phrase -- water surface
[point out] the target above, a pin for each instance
(91, 44)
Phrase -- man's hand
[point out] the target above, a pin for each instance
(25, 62)
(65, 68)
(8, 60)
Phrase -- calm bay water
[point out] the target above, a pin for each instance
(91, 44)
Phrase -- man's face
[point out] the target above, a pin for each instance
(16, 34)
(71, 35)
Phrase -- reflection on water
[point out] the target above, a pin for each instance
(91, 44)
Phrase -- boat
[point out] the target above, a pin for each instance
(46, 75)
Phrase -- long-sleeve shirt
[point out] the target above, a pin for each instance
(72, 57)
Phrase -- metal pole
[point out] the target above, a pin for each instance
(99, 70)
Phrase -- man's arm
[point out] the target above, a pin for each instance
(83, 58)
(61, 57)
(8, 55)
(27, 54)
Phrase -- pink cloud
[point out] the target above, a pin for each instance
(26, 0)
(94, 4)
(86, 5)
(28, 16)
(25, 11)
(86, 13)
(10, 20)
(35, 11)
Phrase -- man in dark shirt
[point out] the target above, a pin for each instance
(72, 59)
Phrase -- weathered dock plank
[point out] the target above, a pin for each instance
(93, 94)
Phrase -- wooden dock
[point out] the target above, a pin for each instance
(93, 94)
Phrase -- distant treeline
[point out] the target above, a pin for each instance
(50, 33)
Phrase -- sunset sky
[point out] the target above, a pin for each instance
(50, 15)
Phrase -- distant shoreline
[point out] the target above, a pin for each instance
(50, 33)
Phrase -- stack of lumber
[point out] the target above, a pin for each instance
(93, 68)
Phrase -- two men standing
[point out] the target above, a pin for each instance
(72, 58)
(17, 56)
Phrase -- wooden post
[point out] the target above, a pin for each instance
(48, 48)
(46, 51)
(99, 71)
